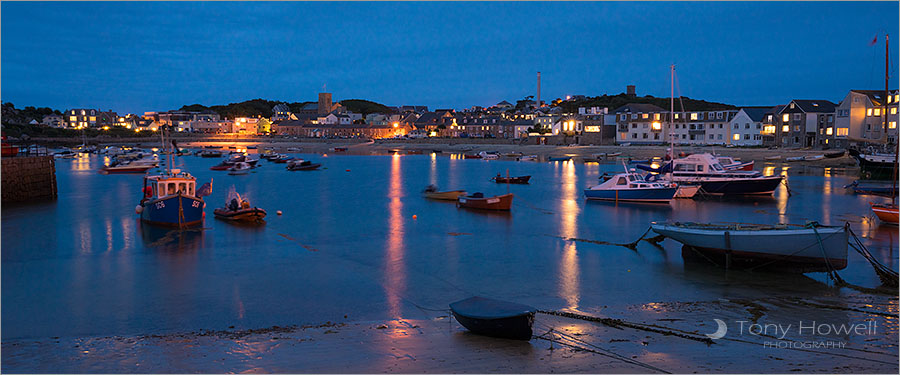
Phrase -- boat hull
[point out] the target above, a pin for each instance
(498, 203)
(749, 186)
(445, 195)
(495, 318)
(128, 169)
(687, 191)
(663, 195)
(247, 214)
(886, 213)
(308, 167)
(797, 249)
(512, 180)
(173, 211)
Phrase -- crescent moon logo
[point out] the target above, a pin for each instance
(720, 331)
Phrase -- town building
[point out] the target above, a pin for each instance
(746, 127)
(802, 123)
(81, 118)
(859, 118)
(55, 121)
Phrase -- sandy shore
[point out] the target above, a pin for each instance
(439, 344)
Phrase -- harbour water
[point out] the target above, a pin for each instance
(357, 242)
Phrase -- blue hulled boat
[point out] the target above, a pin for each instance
(171, 199)
(631, 187)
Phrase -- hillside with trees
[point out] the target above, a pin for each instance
(615, 101)
(364, 106)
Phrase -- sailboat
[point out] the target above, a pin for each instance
(171, 198)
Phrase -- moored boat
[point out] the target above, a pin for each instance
(836, 154)
(479, 201)
(495, 318)
(705, 170)
(631, 187)
(560, 158)
(431, 192)
(803, 248)
(238, 209)
(873, 187)
(170, 199)
(529, 158)
(886, 212)
(489, 155)
(468, 156)
(874, 166)
(210, 154)
(240, 168)
(511, 180)
(302, 165)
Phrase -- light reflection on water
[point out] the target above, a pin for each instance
(347, 245)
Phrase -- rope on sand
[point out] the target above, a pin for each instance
(582, 345)
(618, 323)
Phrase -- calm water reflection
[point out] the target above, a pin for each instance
(348, 244)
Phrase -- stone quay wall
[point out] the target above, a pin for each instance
(28, 178)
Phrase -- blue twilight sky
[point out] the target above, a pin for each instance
(135, 57)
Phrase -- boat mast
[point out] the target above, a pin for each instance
(672, 122)
(887, 94)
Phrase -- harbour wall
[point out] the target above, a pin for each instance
(28, 178)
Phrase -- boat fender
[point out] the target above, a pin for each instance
(138, 209)
(278, 212)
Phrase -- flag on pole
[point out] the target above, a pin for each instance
(874, 40)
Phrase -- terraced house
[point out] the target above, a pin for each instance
(80, 118)
(803, 123)
(860, 117)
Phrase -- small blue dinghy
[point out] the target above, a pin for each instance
(495, 318)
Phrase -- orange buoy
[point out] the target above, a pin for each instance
(414, 217)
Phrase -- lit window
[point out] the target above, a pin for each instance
(82, 112)
(785, 128)
(677, 116)
(843, 131)
(894, 111)
(657, 125)
(869, 112)
(769, 129)
(828, 131)
(93, 118)
(656, 116)
(694, 116)
(73, 118)
(737, 137)
(786, 117)
(877, 111)
(892, 124)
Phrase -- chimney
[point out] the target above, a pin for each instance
(538, 101)
(630, 90)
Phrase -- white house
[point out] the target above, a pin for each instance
(745, 128)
